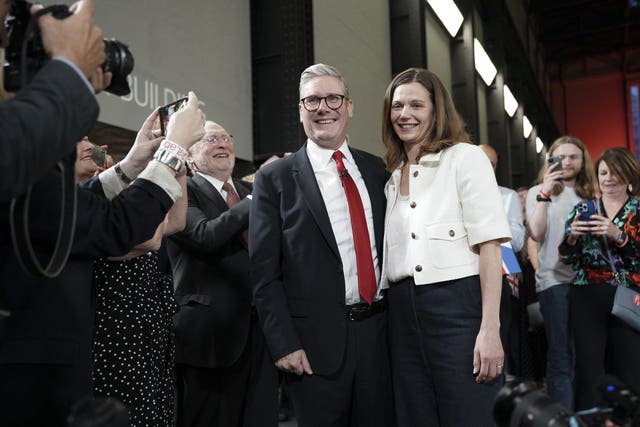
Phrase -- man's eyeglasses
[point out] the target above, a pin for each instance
(312, 103)
(216, 139)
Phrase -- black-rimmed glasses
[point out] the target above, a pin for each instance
(312, 103)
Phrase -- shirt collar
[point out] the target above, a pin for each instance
(321, 157)
(215, 181)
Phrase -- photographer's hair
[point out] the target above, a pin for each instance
(623, 166)
(585, 180)
(446, 129)
(320, 70)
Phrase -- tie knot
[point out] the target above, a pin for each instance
(227, 187)
(337, 155)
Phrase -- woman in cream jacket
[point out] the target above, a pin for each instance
(442, 261)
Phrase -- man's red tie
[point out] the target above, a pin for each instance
(366, 274)
(232, 200)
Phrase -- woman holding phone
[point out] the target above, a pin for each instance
(602, 244)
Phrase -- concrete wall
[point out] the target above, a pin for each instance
(354, 37)
(178, 47)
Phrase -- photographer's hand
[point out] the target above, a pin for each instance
(75, 38)
(551, 178)
(100, 80)
(186, 126)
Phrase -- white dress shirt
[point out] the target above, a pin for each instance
(335, 200)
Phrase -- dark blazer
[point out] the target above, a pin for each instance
(296, 269)
(46, 356)
(211, 275)
(41, 125)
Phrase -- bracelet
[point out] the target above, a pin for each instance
(167, 158)
(121, 175)
(539, 198)
(545, 195)
(175, 149)
(622, 239)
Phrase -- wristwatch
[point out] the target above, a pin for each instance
(621, 238)
(541, 198)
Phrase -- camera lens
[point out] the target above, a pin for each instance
(520, 404)
(119, 61)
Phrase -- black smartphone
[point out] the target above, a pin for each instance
(555, 159)
(586, 209)
(167, 110)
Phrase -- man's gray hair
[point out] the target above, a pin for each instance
(319, 70)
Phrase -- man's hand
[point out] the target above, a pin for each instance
(100, 80)
(186, 126)
(75, 38)
(295, 363)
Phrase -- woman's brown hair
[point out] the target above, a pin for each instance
(446, 129)
(624, 166)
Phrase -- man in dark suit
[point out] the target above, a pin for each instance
(225, 375)
(315, 265)
(46, 358)
(60, 99)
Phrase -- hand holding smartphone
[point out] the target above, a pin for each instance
(586, 209)
(555, 160)
(166, 111)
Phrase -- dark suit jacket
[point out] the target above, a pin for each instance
(46, 356)
(296, 269)
(211, 274)
(41, 125)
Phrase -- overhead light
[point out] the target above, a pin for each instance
(448, 13)
(526, 127)
(483, 63)
(539, 145)
(510, 103)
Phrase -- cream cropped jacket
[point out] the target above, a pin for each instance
(455, 205)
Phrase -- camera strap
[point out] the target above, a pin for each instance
(19, 221)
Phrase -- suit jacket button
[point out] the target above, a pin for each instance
(413, 204)
(415, 174)
(452, 233)
(413, 235)
(418, 268)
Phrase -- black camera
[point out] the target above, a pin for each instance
(521, 404)
(23, 29)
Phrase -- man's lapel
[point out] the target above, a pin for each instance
(306, 180)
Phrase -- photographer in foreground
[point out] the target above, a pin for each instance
(42, 123)
(46, 356)
(603, 251)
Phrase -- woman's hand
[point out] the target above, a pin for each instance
(488, 355)
(603, 226)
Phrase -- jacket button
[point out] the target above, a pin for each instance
(452, 233)
(413, 204)
(415, 174)
(413, 235)
(418, 268)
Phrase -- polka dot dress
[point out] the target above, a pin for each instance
(134, 348)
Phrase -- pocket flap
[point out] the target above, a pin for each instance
(197, 298)
(447, 231)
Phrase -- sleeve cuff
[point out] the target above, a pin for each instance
(77, 70)
(111, 184)
(163, 177)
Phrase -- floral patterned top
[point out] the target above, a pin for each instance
(589, 257)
